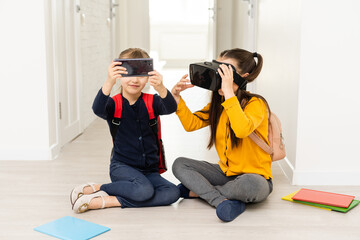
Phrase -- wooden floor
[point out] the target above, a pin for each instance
(37, 192)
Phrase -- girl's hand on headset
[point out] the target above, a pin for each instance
(227, 80)
(180, 86)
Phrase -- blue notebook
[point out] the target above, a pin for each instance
(70, 228)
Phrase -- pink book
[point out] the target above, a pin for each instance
(325, 198)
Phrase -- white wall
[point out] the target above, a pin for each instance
(233, 26)
(224, 18)
(236, 27)
(96, 54)
(310, 78)
(23, 80)
(132, 25)
(28, 125)
(241, 26)
(329, 106)
(279, 32)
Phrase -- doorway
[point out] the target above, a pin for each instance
(181, 31)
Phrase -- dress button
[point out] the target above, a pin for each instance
(144, 155)
(140, 138)
(137, 120)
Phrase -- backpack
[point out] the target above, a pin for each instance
(154, 124)
(277, 146)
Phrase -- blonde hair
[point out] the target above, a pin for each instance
(134, 53)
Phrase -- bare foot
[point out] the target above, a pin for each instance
(110, 201)
(192, 194)
(89, 190)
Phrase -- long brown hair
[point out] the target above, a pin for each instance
(245, 64)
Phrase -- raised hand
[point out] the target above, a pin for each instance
(180, 86)
(114, 72)
(156, 81)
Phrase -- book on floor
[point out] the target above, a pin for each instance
(353, 204)
(70, 228)
(325, 198)
(289, 198)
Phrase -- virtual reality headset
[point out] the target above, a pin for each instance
(206, 75)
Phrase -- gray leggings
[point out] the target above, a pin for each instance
(211, 184)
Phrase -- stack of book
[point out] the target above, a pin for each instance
(325, 200)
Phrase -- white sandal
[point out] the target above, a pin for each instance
(79, 191)
(82, 203)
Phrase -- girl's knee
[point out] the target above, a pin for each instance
(178, 165)
(253, 188)
(142, 193)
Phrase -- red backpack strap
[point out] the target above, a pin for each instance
(156, 128)
(148, 99)
(117, 115)
(118, 105)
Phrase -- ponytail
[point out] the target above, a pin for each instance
(256, 69)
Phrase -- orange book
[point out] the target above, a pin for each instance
(326, 198)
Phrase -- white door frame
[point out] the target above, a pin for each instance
(237, 27)
(78, 60)
(71, 127)
(65, 66)
(252, 32)
(212, 29)
(252, 24)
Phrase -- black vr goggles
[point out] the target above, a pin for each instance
(206, 75)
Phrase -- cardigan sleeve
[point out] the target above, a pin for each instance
(103, 106)
(192, 121)
(163, 106)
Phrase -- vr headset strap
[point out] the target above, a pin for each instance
(240, 81)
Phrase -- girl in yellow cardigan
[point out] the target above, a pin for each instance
(243, 173)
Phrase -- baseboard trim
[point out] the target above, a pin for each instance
(287, 168)
(25, 153)
(320, 178)
(55, 151)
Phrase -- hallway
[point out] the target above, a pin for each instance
(37, 192)
(309, 77)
